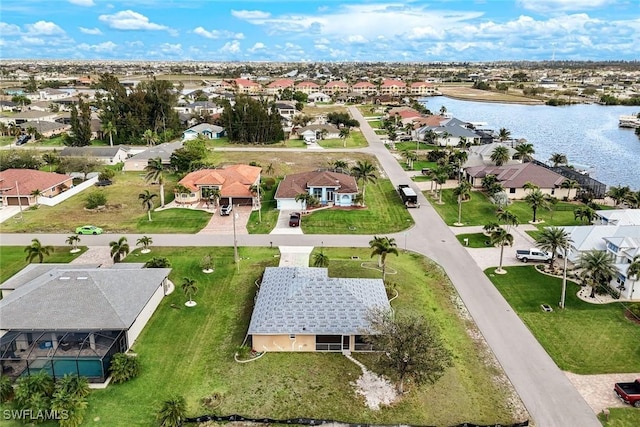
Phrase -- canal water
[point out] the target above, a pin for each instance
(588, 134)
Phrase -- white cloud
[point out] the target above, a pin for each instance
(174, 49)
(90, 31)
(218, 34)
(44, 28)
(250, 14)
(357, 39)
(130, 20)
(562, 5)
(135, 43)
(82, 2)
(9, 29)
(256, 47)
(107, 46)
(32, 40)
(231, 47)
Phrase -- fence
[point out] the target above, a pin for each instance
(52, 201)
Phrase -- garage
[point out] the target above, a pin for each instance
(13, 201)
(288, 205)
(237, 201)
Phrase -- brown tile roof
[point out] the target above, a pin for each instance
(234, 180)
(432, 121)
(281, 83)
(29, 180)
(515, 176)
(392, 82)
(364, 84)
(421, 84)
(336, 83)
(299, 183)
(245, 83)
(307, 84)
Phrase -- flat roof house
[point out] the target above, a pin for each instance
(303, 309)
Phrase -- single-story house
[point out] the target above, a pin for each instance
(45, 129)
(286, 109)
(618, 217)
(106, 155)
(319, 97)
(480, 155)
(140, 161)
(206, 130)
(16, 185)
(303, 309)
(26, 116)
(71, 319)
(234, 183)
(330, 188)
(513, 178)
(312, 133)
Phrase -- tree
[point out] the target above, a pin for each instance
(306, 200)
(155, 170)
(536, 200)
(36, 193)
(320, 259)
(462, 192)
(70, 396)
(558, 159)
(37, 250)
(504, 134)
(500, 236)
(440, 176)
(383, 246)
(173, 412)
(340, 165)
(443, 110)
(344, 134)
(500, 155)
(585, 214)
(73, 241)
(551, 239)
(146, 198)
(157, 262)
(6, 389)
(80, 125)
(123, 368)
(145, 242)
(119, 249)
(190, 288)
(570, 184)
(109, 129)
(633, 272)
(530, 186)
(95, 199)
(597, 270)
(251, 121)
(411, 347)
(50, 159)
(34, 392)
(619, 194)
(525, 152)
(150, 137)
(269, 170)
(508, 218)
(365, 172)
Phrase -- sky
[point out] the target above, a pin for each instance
(328, 30)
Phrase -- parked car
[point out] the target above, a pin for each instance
(408, 196)
(103, 183)
(294, 219)
(22, 139)
(226, 209)
(88, 229)
(629, 392)
(533, 254)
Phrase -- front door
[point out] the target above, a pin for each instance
(330, 196)
(345, 342)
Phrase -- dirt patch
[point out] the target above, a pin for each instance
(376, 390)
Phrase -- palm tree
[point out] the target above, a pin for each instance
(536, 200)
(558, 159)
(619, 194)
(109, 129)
(462, 192)
(500, 155)
(440, 178)
(214, 196)
(173, 412)
(150, 137)
(269, 170)
(36, 250)
(598, 269)
(382, 246)
(443, 110)
(585, 213)
(190, 288)
(320, 259)
(340, 165)
(633, 272)
(504, 134)
(365, 172)
(500, 236)
(570, 184)
(155, 170)
(119, 249)
(344, 134)
(146, 198)
(50, 159)
(36, 193)
(508, 218)
(73, 241)
(552, 238)
(145, 242)
(306, 200)
(525, 152)
(530, 186)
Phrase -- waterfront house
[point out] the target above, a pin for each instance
(618, 217)
(330, 188)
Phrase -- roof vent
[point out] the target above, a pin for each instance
(82, 278)
(64, 278)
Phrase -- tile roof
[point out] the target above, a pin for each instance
(29, 180)
(307, 84)
(516, 175)
(299, 183)
(364, 85)
(235, 180)
(393, 82)
(281, 83)
(336, 83)
(304, 300)
(246, 83)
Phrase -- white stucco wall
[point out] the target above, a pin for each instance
(145, 315)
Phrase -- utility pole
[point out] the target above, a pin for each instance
(235, 239)
(564, 275)
(19, 199)
(259, 202)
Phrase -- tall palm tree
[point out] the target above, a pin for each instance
(37, 250)
(500, 155)
(73, 241)
(189, 287)
(558, 159)
(597, 269)
(619, 194)
(173, 412)
(145, 242)
(440, 178)
(633, 272)
(150, 137)
(109, 129)
(585, 213)
(269, 170)
(525, 152)
(382, 246)
(504, 134)
(50, 159)
(320, 259)
(366, 172)
(500, 236)
(508, 218)
(155, 170)
(344, 134)
(551, 239)
(536, 200)
(146, 198)
(119, 249)
(462, 192)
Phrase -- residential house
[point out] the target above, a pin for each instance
(319, 97)
(307, 87)
(26, 116)
(364, 88)
(303, 309)
(139, 161)
(423, 89)
(335, 87)
(480, 155)
(618, 217)
(330, 188)
(206, 130)
(48, 94)
(286, 109)
(513, 178)
(45, 129)
(393, 87)
(277, 86)
(234, 182)
(247, 87)
(9, 106)
(72, 319)
(16, 185)
(451, 132)
(106, 155)
(312, 133)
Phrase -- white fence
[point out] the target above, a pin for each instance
(52, 201)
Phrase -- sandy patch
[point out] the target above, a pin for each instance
(375, 389)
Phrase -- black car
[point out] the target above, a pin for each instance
(22, 139)
(294, 219)
(103, 183)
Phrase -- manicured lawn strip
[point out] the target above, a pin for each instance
(268, 211)
(621, 417)
(175, 220)
(355, 140)
(375, 123)
(384, 213)
(190, 352)
(12, 258)
(584, 338)
(476, 240)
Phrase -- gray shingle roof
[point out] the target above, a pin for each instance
(108, 152)
(164, 151)
(64, 298)
(304, 300)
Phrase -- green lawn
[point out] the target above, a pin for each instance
(384, 213)
(7, 140)
(224, 143)
(584, 338)
(375, 123)
(621, 417)
(268, 211)
(12, 258)
(355, 140)
(189, 352)
(476, 240)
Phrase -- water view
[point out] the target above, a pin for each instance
(588, 134)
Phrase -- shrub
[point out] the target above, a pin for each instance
(206, 263)
(123, 368)
(634, 309)
(268, 183)
(6, 389)
(95, 199)
(157, 262)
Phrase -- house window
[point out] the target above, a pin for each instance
(317, 192)
(292, 336)
(553, 191)
(512, 190)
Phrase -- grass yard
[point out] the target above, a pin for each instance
(355, 140)
(268, 211)
(375, 124)
(7, 140)
(124, 212)
(189, 352)
(476, 240)
(621, 417)
(584, 338)
(12, 258)
(384, 213)
(224, 143)
(323, 109)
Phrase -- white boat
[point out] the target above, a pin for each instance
(630, 121)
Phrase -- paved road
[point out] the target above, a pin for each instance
(548, 395)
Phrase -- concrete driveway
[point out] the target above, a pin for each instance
(282, 226)
(7, 212)
(219, 224)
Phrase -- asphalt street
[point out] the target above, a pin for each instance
(546, 392)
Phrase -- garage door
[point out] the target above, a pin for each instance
(13, 201)
(237, 201)
(289, 205)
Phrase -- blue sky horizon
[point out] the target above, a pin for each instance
(315, 31)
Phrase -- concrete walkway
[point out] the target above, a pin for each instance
(294, 256)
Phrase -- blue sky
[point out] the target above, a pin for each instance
(328, 30)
